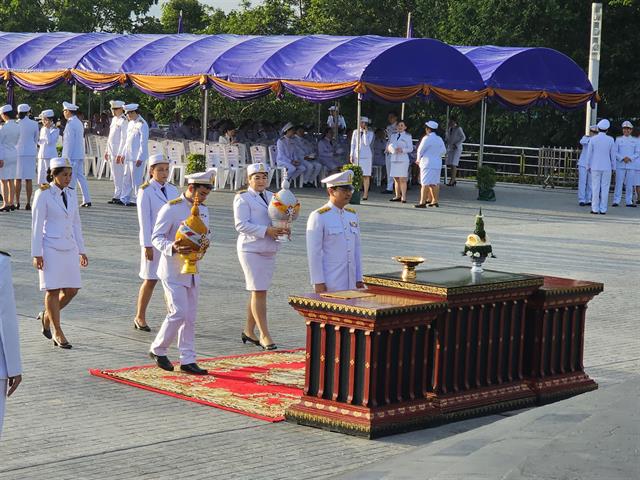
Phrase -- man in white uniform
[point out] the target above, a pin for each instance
(180, 290)
(336, 119)
(286, 155)
(306, 154)
(134, 152)
(73, 149)
(10, 366)
(601, 159)
(27, 151)
(627, 155)
(390, 133)
(584, 175)
(333, 239)
(115, 144)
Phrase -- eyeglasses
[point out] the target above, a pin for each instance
(345, 188)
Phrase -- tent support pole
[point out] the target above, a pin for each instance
(73, 93)
(483, 121)
(359, 114)
(205, 118)
(319, 116)
(10, 93)
(446, 177)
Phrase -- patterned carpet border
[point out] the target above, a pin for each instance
(259, 385)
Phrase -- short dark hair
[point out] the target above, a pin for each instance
(54, 173)
(11, 114)
(21, 115)
(394, 113)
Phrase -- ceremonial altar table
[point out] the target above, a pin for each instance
(444, 346)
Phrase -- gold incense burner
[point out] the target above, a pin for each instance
(410, 264)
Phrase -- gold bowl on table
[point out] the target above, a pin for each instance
(410, 264)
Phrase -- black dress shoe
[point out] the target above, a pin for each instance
(433, 205)
(65, 345)
(632, 205)
(27, 207)
(271, 346)
(603, 213)
(112, 201)
(581, 204)
(246, 338)
(17, 206)
(144, 328)
(193, 369)
(162, 361)
(420, 205)
(130, 204)
(45, 331)
(614, 204)
(12, 208)
(86, 204)
(395, 199)
(593, 213)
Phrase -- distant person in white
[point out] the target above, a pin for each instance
(135, 153)
(47, 141)
(454, 138)
(115, 144)
(601, 160)
(10, 365)
(627, 157)
(27, 151)
(584, 175)
(365, 160)
(73, 149)
(429, 158)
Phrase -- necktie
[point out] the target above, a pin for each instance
(64, 199)
(398, 136)
(264, 198)
(163, 192)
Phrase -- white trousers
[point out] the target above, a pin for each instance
(600, 182)
(78, 176)
(4, 383)
(132, 179)
(624, 177)
(312, 170)
(182, 303)
(387, 163)
(293, 171)
(43, 166)
(584, 185)
(117, 172)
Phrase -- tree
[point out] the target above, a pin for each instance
(194, 16)
(23, 16)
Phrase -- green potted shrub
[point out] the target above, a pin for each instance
(196, 163)
(486, 180)
(357, 181)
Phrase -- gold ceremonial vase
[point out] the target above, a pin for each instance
(192, 232)
(410, 264)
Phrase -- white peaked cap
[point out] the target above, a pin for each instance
(202, 178)
(432, 125)
(72, 107)
(130, 107)
(288, 126)
(257, 168)
(58, 162)
(339, 179)
(365, 120)
(156, 159)
(332, 108)
(23, 108)
(604, 124)
(6, 108)
(593, 128)
(627, 124)
(47, 113)
(116, 103)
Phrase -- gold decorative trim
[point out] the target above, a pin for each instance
(304, 418)
(449, 291)
(591, 288)
(362, 311)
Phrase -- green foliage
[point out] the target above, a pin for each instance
(194, 16)
(357, 175)
(479, 230)
(196, 163)
(486, 178)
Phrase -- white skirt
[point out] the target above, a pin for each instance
(26, 168)
(429, 176)
(61, 269)
(399, 169)
(149, 269)
(43, 166)
(8, 171)
(365, 165)
(258, 269)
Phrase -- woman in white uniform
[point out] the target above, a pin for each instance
(152, 196)
(27, 150)
(9, 136)
(57, 247)
(366, 154)
(429, 157)
(257, 248)
(399, 146)
(48, 140)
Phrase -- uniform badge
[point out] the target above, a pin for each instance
(354, 224)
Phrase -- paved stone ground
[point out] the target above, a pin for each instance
(63, 423)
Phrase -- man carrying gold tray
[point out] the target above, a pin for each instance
(180, 289)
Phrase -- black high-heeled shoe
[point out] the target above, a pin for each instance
(65, 345)
(246, 338)
(144, 328)
(45, 331)
(271, 346)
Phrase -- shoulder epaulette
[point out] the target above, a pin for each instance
(242, 191)
(175, 201)
(144, 185)
(45, 186)
(323, 210)
(2, 252)
(349, 209)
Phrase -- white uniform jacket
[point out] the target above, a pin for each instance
(73, 140)
(251, 215)
(150, 201)
(117, 136)
(627, 147)
(28, 142)
(333, 247)
(400, 140)
(286, 151)
(170, 217)
(10, 364)
(136, 145)
(48, 140)
(53, 224)
(582, 159)
(304, 147)
(601, 153)
(366, 141)
(9, 137)
(341, 123)
(430, 151)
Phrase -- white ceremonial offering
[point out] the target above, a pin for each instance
(284, 209)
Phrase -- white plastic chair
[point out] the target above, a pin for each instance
(91, 154)
(177, 161)
(215, 159)
(155, 147)
(195, 147)
(376, 170)
(104, 166)
(235, 167)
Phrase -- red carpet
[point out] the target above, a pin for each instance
(260, 385)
